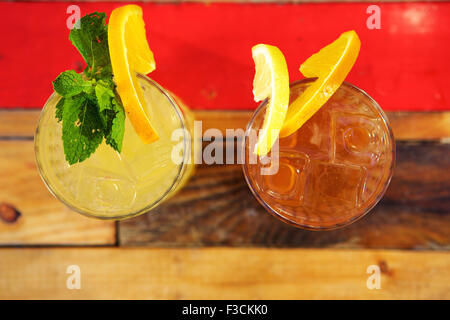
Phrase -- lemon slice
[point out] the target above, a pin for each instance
(130, 54)
(331, 66)
(271, 81)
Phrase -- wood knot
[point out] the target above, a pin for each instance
(384, 268)
(8, 213)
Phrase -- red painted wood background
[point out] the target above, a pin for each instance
(203, 51)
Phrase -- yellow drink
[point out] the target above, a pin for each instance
(109, 185)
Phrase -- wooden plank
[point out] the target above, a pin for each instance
(216, 208)
(18, 123)
(420, 125)
(43, 219)
(128, 273)
(405, 125)
(415, 209)
(213, 68)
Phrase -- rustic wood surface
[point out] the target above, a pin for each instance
(15, 124)
(405, 125)
(217, 208)
(39, 218)
(132, 273)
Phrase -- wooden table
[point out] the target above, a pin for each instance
(213, 240)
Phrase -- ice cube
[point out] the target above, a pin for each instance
(153, 162)
(102, 190)
(109, 162)
(288, 182)
(312, 138)
(331, 186)
(356, 139)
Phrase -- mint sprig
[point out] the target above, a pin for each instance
(91, 40)
(90, 109)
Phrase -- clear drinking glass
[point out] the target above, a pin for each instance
(330, 172)
(109, 185)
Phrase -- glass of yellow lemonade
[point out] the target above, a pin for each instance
(113, 185)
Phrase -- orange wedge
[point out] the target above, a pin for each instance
(271, 81)
(130, 54)
(331, 66)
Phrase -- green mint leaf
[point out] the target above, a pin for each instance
(115, 136)
(82, 130)
(91, 40)
(59, 109)
(69, 83)
(111, 113)
(90, 108)
(104, 93)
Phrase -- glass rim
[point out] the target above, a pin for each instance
(375, 199)
(181, 167)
